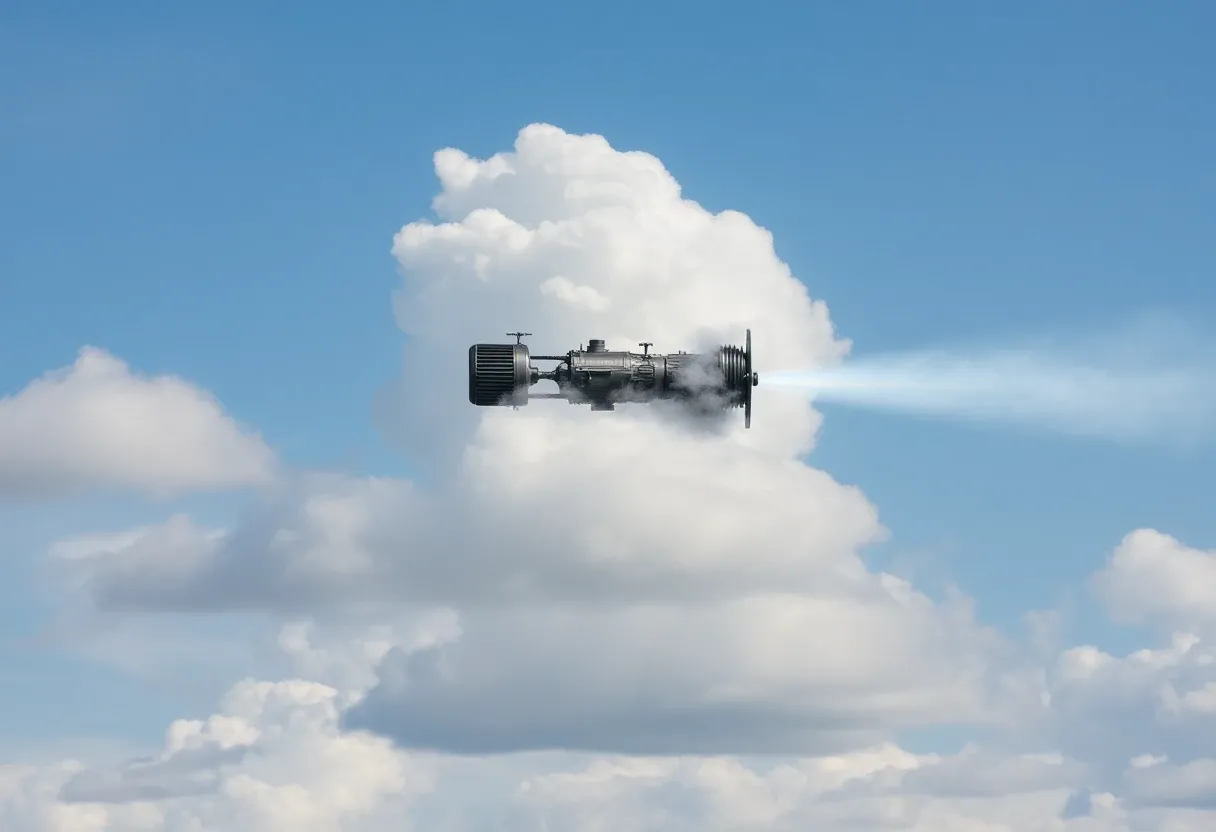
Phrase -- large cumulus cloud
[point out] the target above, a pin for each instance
(571, 239)
(621, 581)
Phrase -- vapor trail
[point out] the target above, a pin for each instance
(1150, 382)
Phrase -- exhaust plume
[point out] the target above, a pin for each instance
(1154, 381)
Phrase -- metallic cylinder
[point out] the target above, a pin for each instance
(499, 374)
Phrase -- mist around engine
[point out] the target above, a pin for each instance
(1153, 381)
(703, 404)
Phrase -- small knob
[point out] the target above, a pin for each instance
(646, 345)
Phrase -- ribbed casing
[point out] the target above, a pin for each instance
(491, 373)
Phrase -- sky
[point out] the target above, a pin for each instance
(263, 566)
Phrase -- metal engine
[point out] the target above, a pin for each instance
(501, 375)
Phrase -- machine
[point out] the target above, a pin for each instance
(500, 375)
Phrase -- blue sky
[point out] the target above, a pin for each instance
(211, 190)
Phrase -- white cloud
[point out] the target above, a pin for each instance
(1156, 697)
(1154, 578)
(618, 582)
(1164, 784)
(735, 651)
(275, 754)
(755, 675)
(578, 297)
(571, 239)
(603, 555)
(516, 526)
(345, 656)
(97, 425)
(883, 787)
(272, 757)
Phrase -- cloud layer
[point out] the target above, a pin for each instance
(276, 755)
(594, 621)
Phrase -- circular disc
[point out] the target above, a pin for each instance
(747, 402)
